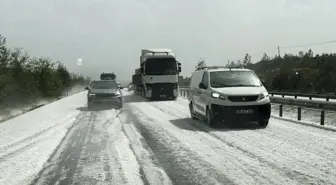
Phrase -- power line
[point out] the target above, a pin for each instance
(312, 44)
(293, 46)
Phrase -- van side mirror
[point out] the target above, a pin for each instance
(86, 88)
(179, 66)
(202, 85)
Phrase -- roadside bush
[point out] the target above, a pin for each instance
(25, 79)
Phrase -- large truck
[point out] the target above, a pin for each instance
(158, 74)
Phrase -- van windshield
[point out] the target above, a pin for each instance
(220, 79)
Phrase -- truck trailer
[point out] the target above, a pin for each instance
(158, 74)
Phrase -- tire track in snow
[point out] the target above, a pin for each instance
(278, 176)
(149, 166)
(257, 145)
(20, 145)
(252, 173)
(95, 152)
(122, 159)
(60, 168)
(178, 162)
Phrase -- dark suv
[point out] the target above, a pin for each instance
(106, 92)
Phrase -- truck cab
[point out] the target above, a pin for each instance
(160, 71)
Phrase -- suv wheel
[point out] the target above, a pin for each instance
(192, 113)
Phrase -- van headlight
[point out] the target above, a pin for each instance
(217, 95)
(117, 93)
(264, 95)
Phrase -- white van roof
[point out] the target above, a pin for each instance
(219, 68)
(228, 69)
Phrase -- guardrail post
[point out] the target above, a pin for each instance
(310, 98)
(327, 98)
(283, 95)
(184, 93)
(322, 117)
(295, 96)
(299, 114)
(280, 110)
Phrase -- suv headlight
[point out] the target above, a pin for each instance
(264, 95)
(217, 95)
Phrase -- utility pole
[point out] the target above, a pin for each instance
(278, 51)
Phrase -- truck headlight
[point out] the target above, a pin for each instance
(217, 95)
(264, 95)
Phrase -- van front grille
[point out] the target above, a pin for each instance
(243, 98)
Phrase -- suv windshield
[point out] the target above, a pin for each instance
(234, 79)
(161, 66)
(104, 85)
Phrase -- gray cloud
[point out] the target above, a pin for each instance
(109, 34)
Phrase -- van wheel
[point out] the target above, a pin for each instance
(209, 118)
(143, 92)
(89, 105)
(192, 113)
(263, 123)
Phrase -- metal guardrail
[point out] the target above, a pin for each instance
(322, 106)
(327, 97)
(308, 95)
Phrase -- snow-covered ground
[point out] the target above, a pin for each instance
(157, 143)
(11, 112)
(27, 141)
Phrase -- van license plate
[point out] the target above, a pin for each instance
(248, 111)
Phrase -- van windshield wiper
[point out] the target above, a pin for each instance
(219, 85)
(245, 85)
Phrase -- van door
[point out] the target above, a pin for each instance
(195, 91)
(204, 94)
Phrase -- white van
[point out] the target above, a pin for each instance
(228, 94)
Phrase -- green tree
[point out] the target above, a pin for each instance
(25, 79)
(247, 60)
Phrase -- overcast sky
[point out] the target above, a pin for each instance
(109, 34)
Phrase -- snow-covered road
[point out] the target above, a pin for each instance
(157, 143)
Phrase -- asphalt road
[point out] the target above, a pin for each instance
(157, 143)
